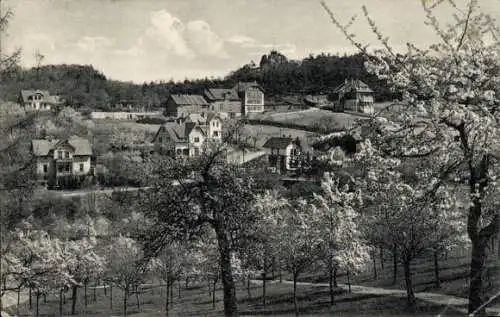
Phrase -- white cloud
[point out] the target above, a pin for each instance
(93, 43)
(242, 40)
(168, 32)
(205, 41)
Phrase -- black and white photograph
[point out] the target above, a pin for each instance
(191, 158)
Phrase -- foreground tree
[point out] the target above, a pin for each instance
(201, 194)
(451, 102)
(336, 219)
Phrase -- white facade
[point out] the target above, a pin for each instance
(254, 100)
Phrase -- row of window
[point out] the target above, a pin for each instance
(254, 108)
(62, 167)
(60, 154)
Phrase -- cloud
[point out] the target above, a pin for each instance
(205, 41)
(167, 31)
(93, 43)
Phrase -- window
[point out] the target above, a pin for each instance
(66, 154)
(196, 139)
(196, 151)
(81, 167)
(64, 168)
(45, 168)
(179, 151)
(59, 154)
(185, 152)
(216, 133)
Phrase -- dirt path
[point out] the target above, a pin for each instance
(458, 303)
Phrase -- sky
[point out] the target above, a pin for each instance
(149, 40)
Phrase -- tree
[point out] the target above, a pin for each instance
(299, 243)
(454, 84)
(336, 213)
(126, 266)
(201, 194)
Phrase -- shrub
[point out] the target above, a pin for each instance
(151, 120)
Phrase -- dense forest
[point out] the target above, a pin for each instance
(82, 86)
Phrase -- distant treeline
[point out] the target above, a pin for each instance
(84, 87)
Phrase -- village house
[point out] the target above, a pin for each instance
(252, 97)
(283, 153)
(38, 100)
(353, 95)
(189, 136)
(181, 105)
(59, 162)
(225, 102)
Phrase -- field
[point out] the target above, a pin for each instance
(196, 301)
(369, 297)
(313, 116)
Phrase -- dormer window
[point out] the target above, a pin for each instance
(196, 139)
(59, 154)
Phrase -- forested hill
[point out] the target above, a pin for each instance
(83, 86)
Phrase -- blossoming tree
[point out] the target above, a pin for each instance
(450, 102)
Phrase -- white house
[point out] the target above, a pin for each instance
(283, 153)
(189, 136)
(38, 100)
(252, 97)
(57, 159)
(354, 95)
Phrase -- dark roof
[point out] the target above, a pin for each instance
(25, 94)
(277, 143)
(42, 147)
(188, 99)
(215, 94)
(243, 86)
(178, 132)
(356, 84)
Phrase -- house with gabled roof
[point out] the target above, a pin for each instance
(187, 137)
(181, 105)
(283, 153)
(251, 95)
(56, 159)
(353, 95)
(223, 101)
(40, 100)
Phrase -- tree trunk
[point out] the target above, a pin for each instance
(477, 270)
(105, 287)
(295, 301)
(111, 296)
(45, 298)
(125, 297)
(436, 270)
(37, 304)
(374, 265)
(349, 280)
(137, 299)
(248, 287)
(172, 291)
(18, 296)
(30, 297)
(209, 286)
(230, 303)
(167, 304)
(410, 295)
(187, 282)
(213, 293)
(95, 292)
(73, 299)
(335, 277)
(85, 293)
(332, 290)
(394, 265)
(382, 258)
(264, 278)
(61, 302)
(280, 273)
(179, 288)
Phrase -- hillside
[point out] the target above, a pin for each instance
(85, 87)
